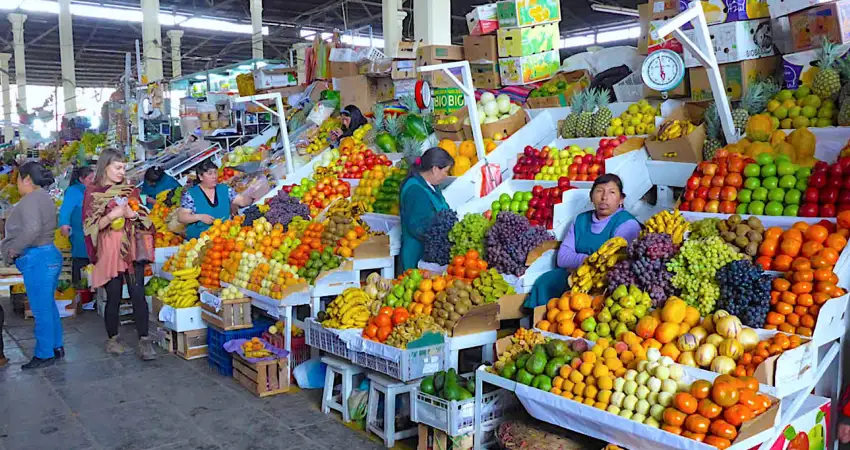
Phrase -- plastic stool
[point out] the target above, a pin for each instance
(390, 388)
(347, 372)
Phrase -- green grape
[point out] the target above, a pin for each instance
(469, 233)
(694, 269)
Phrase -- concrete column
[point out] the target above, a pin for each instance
(20, 60)
(66, 53)
(300, 56)
(8, 131)
(432, 22)
(257, 29)
(392, 21)
(152, 36)
(176, 57)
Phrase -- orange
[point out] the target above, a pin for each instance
(830, 255)
(817, 233)
(836, 241)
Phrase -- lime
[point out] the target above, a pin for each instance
(790, 103)
(780, 112)
(800, 122)
(822, 123)
(824, 113)
(774, 122)
(809, 112)
(786, 124)
(772, 105)
(784, 94)
(812, 100)
(794, 111)
(802, 91)
(828, 103)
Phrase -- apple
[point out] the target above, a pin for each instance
(697, 205)
(820, 167)
(827, 210)
(727, 207)
(718, 181)
(817, 180)
(835, 170)
(734, 180)
(714, 193)
(744, 196)
(702, 192)
(770, 183)
(812, 195)
(708, 168)
(690, 194)
(752, 183)
(808, 210)
(712, 206)
(834, 182)
(828, 195)
(756, 207)
(843, 207)
(773, 208)
(793, 197)
(791, 210)
(728, 193)
(693, 182)
(705, 181)
(752, 170)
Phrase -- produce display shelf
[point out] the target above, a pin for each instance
(411, 364)
(325, 340)
(457, 418)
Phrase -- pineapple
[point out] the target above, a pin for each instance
(602, 116)
(411, 148)
(584, 125)
(827, 82)
(713, 135)
(844, 94)
(379, 126)
(576, 106)
(753, 101)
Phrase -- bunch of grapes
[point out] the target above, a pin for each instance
(647, 267)
(653, 246)
(704, 228)
(695, 267)
(437, 246)
(283, 208)
(509, 241)
(251, 214)
(468, 234)
(745, 292)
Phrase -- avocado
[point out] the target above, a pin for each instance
(509, 370)
(470, 384)
(522, 360)
(536, 364)
(539, 348)
(465, 394)
(554, 366)
(452, 392)
(542, 382)
(557, 347)
(523, 377)
(451, 376)
(427, 385)
(439, 381)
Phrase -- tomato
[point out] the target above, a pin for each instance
(724, 429)
(699, 437)
(700, 389)
(717, 442)
(673, 417)
(737, 414)
(685, 402)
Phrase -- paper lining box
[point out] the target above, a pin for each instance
(483, 19)
(524, 13)
(737, 77)
(485, 76)
(737, 41)
(480, 49)
(529, 69)
(800, 68)
(404, 69)
(528, 41)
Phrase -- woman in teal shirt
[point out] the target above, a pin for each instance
(155, 182)
(207, 201)
(71, 220)
(420, 199)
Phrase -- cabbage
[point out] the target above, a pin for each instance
(491, 108)
(514, 109)
(504, 116)
(504, 103)
(491, 119)
(487, 97)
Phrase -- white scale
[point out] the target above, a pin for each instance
(663, 71)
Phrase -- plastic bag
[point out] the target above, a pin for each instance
(491, 177)
(310, 374)
(358, 404)
(322, 112)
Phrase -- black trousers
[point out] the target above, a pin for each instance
(114, 288)
(2, 320)
(77, 265)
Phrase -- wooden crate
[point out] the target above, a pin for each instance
(264, 378)
(164, 338)
(235, 314)
(192, 344)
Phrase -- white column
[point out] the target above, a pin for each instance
(152, 36)
(176, 57)
(257, 29)
(392, 21)
(8, 132)
(20, 60)
(432, 22)
(300, 57)
(66, 53)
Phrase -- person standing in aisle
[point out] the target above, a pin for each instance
(585, 235)
(29, 243)
(71, 220)
(156, 181)
(421, 198)
(111, 227)
(208, 200)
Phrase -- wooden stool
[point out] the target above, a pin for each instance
(347, 372)
(390, 388)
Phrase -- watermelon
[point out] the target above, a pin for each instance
(415, 127)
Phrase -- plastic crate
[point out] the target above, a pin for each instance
(457, 418)
(219, 358)
(412, 363)
(629, 89)
(300, 349)
(326, 340)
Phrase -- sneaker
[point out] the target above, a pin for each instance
(146, 351)
(59, 353)
(38, 363)
(114, 346)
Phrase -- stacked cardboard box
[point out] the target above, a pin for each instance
(429, 55)
(403, 73)
(528, 41)
(480, 48)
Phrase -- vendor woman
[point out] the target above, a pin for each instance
(155, 182)
(352, 119)
(207, 201)
(585, 235)
(420, 199)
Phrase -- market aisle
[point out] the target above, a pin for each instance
(95, 401)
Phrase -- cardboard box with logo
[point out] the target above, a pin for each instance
(737, 77)
(404, 88)
(529, 69)
(687, 148)
(724, 11)
(437, 54)
(447, 100)
(363, 92)
(805, 30)
(504, 127)
(736, 41)
(564, 85)
(528, 41)
(275, 76)
(485, 76)
(520, 13)
(666, 43)
(483, 19)
(480, 49)
(407, 50)
(779, 8)
(404, 69)
(800, 68)
(663, 9)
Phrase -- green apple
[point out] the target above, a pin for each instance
(764, 159)
(791, 210)
(756, 207)
(768, 170)
(804, 172)
(760, 194)
(773, 209)
(776, 195)
(742, 207)
(752, 183)
(793, 197)
(785, 168)
(752, 170)
(787, 181)
(745, 196)
(770, 183)
(802, 184)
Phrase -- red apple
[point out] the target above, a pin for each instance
(728, 193)
(708, 168)
(830, 227)
(843, 207)
(846, 184)
(705, 181)
(594, 169)
(835, 170)
(702, 192)
(714, 193)
(811, 195)
(828, 195)
(698, 205)
(808, 210)
(827, 210)
(694, 182)
(734, 179)
(712, 206)
(573, 169)
(690, 194)
(685, 206)
(718, 181)
(728, 207)
(844, 196)
(833, 181)
(735, 164)
(818, 179)
(820, 166)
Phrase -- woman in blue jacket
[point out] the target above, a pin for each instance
(157, 181)
(207, 201)
(420, 199)
(71, 220)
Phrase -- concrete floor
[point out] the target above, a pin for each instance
(92, 400)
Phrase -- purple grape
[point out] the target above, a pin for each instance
(509, 241)
(438, 247)
(647, 267)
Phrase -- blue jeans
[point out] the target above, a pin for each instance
(40, 267)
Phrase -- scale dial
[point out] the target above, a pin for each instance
(663, 70)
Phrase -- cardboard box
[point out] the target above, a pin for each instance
(505, 127)
(407, 50)
(528, 41)
(668, 43)
(374, 247)
(663, 9)
(645, 14)
(578, 81)
(779, 8)
(723, 11)
(404, 69)
(800, 68)
(485, 76)
(377, 68)
(521, 13)
(453, 131)
(529, 69)
(343, 69)
(478, 320)
(737, 77)
(480, 49)
(275, 76)
(431, 53)
(687, 148)
(736, 41)
(404, 87)
(482, 20)
(808, 28)
(363, 92)
(510, 307)
(447, 100)
(439, 79)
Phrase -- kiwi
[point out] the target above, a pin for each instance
(458, 284)
(754, 222)
(741, 241)
(443, 314)
(728, 236)
(476, 298)
(733, 220)
(461, 309)
(441, 296)
(454, 316)
(440, 321)
(742, 230)
(452, 300)
(449, 325)
(751, 249)
(463, 294)
(452, 292)
(722, 226)
(755, 236)
(448, 307)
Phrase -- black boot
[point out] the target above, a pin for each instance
(38, 363)
(59, 353)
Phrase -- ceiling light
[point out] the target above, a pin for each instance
(220, 25)
(578, 41)
(200, 77)
(615, 10)
(618, 35)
